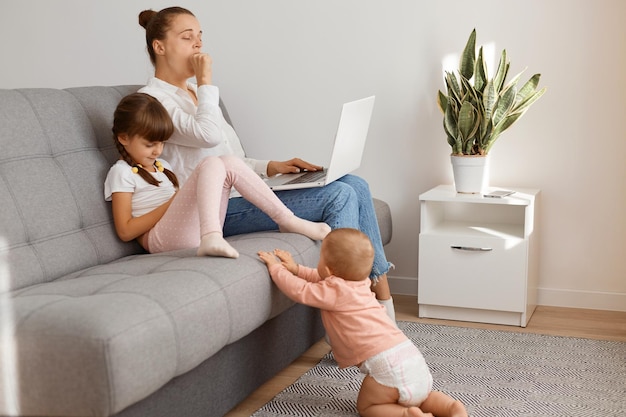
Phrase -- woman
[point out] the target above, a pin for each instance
(174, 43)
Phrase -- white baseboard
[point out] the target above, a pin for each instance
(555, 297)
(403, 285)
(594, 300)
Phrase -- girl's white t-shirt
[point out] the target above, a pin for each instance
(146, 197)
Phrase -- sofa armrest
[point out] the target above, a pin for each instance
(383, 214)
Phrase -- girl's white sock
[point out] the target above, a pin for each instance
(312, 230)
(214, 244)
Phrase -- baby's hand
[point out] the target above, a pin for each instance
(287, 260)
(268, 258)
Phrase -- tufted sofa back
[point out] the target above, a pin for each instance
(55, 150)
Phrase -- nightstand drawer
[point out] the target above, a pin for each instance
(486, 273)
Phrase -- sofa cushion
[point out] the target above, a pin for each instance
(110, 335)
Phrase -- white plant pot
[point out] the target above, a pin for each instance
(471, 173)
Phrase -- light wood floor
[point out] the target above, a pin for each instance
(592, 324)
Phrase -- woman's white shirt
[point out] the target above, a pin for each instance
(146, 197)
(200, 131)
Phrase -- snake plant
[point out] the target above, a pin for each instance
(476, 108)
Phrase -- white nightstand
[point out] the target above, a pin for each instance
(478, 256)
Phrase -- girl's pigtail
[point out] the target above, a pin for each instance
(169, 174)
(172, 177)
(146, 175)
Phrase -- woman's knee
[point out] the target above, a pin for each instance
(340, 194)
(340, 189)
(358, 184)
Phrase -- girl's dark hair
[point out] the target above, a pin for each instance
(157, 24)
(142, 115)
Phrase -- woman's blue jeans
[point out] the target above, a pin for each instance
(346, 202)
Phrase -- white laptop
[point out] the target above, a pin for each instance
(347, 150)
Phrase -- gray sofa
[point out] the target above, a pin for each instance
(92, 326)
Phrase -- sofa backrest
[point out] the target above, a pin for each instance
(55, 150)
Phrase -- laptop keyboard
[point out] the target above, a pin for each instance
(310, 176)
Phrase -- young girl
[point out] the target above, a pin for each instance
(148, 204)
(398, 382)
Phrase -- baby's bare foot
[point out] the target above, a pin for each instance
(457, 409)
(416, 412)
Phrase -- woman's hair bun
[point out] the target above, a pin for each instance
(145, 17)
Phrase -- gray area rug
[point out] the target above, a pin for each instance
(494, 373)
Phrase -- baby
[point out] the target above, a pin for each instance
(397, 379)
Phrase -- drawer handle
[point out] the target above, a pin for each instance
(471, 248)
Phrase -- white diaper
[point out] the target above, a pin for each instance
(402, 367)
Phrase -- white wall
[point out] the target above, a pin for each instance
(284, 68)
